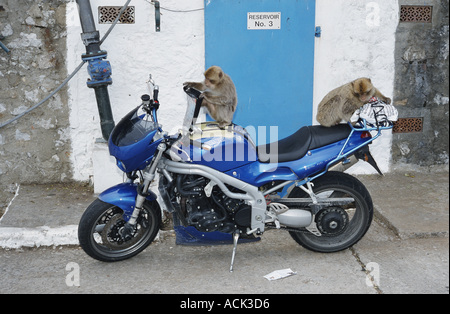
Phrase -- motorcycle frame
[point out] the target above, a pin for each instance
(344, 156)
(127, 195)
(253, 196)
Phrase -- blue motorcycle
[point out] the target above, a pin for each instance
(217, 181)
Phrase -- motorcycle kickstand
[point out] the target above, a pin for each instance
(236, 235)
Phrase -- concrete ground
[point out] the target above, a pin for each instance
(406, 250)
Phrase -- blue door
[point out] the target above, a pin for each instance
(267, 47)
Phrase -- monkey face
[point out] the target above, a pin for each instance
(213, 76)
(364, 97)
(209, 83)
(363, 89)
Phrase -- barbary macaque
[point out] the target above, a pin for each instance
(219, 95)
(342, 102)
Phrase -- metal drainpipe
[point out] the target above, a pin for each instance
(98, 69)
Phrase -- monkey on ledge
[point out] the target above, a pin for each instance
(219, 95)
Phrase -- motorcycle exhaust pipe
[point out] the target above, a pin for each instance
(344, 165)
(363, 154)
(295, 218)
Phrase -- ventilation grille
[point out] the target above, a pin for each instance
(418, 14)
(107, 15)
(408, 125)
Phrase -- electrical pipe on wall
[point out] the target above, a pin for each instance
(99, 69)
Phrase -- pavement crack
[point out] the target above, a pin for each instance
(16, 193)
(366, 271)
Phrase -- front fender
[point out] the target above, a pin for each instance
(123, 195)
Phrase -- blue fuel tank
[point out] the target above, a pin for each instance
(221, 149)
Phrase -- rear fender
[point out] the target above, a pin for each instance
(123, 195)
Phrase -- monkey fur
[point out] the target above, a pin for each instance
(342, 102)
(219, 95)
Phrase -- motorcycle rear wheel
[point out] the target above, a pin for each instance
(101, 226)
(356, 217)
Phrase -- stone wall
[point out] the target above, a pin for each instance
(35, 148)
(422, 85)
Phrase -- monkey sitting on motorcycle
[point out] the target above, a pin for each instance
(219, 95)
(342, 102)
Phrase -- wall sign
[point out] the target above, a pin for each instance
(263, 20)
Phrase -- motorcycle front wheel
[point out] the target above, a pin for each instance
(101, 227)
(340, 226)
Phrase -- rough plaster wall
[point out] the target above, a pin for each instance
(172, 56)
(35, 148)
(358, 39)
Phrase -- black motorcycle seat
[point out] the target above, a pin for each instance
(298, 144)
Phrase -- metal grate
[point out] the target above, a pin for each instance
(107, 15)
(408, 125)
(418, 14)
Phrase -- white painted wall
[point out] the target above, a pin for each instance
(172, 56)
(358, 39)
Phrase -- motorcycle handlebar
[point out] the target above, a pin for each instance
(155, 93)
(192, 92)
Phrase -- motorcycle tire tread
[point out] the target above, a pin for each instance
(91, 216)
(335, 179)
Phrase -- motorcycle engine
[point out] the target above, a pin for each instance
(208, 209)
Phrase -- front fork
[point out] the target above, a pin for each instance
(148, 176)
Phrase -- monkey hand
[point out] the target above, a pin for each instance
(195, 85)
(191, 84)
